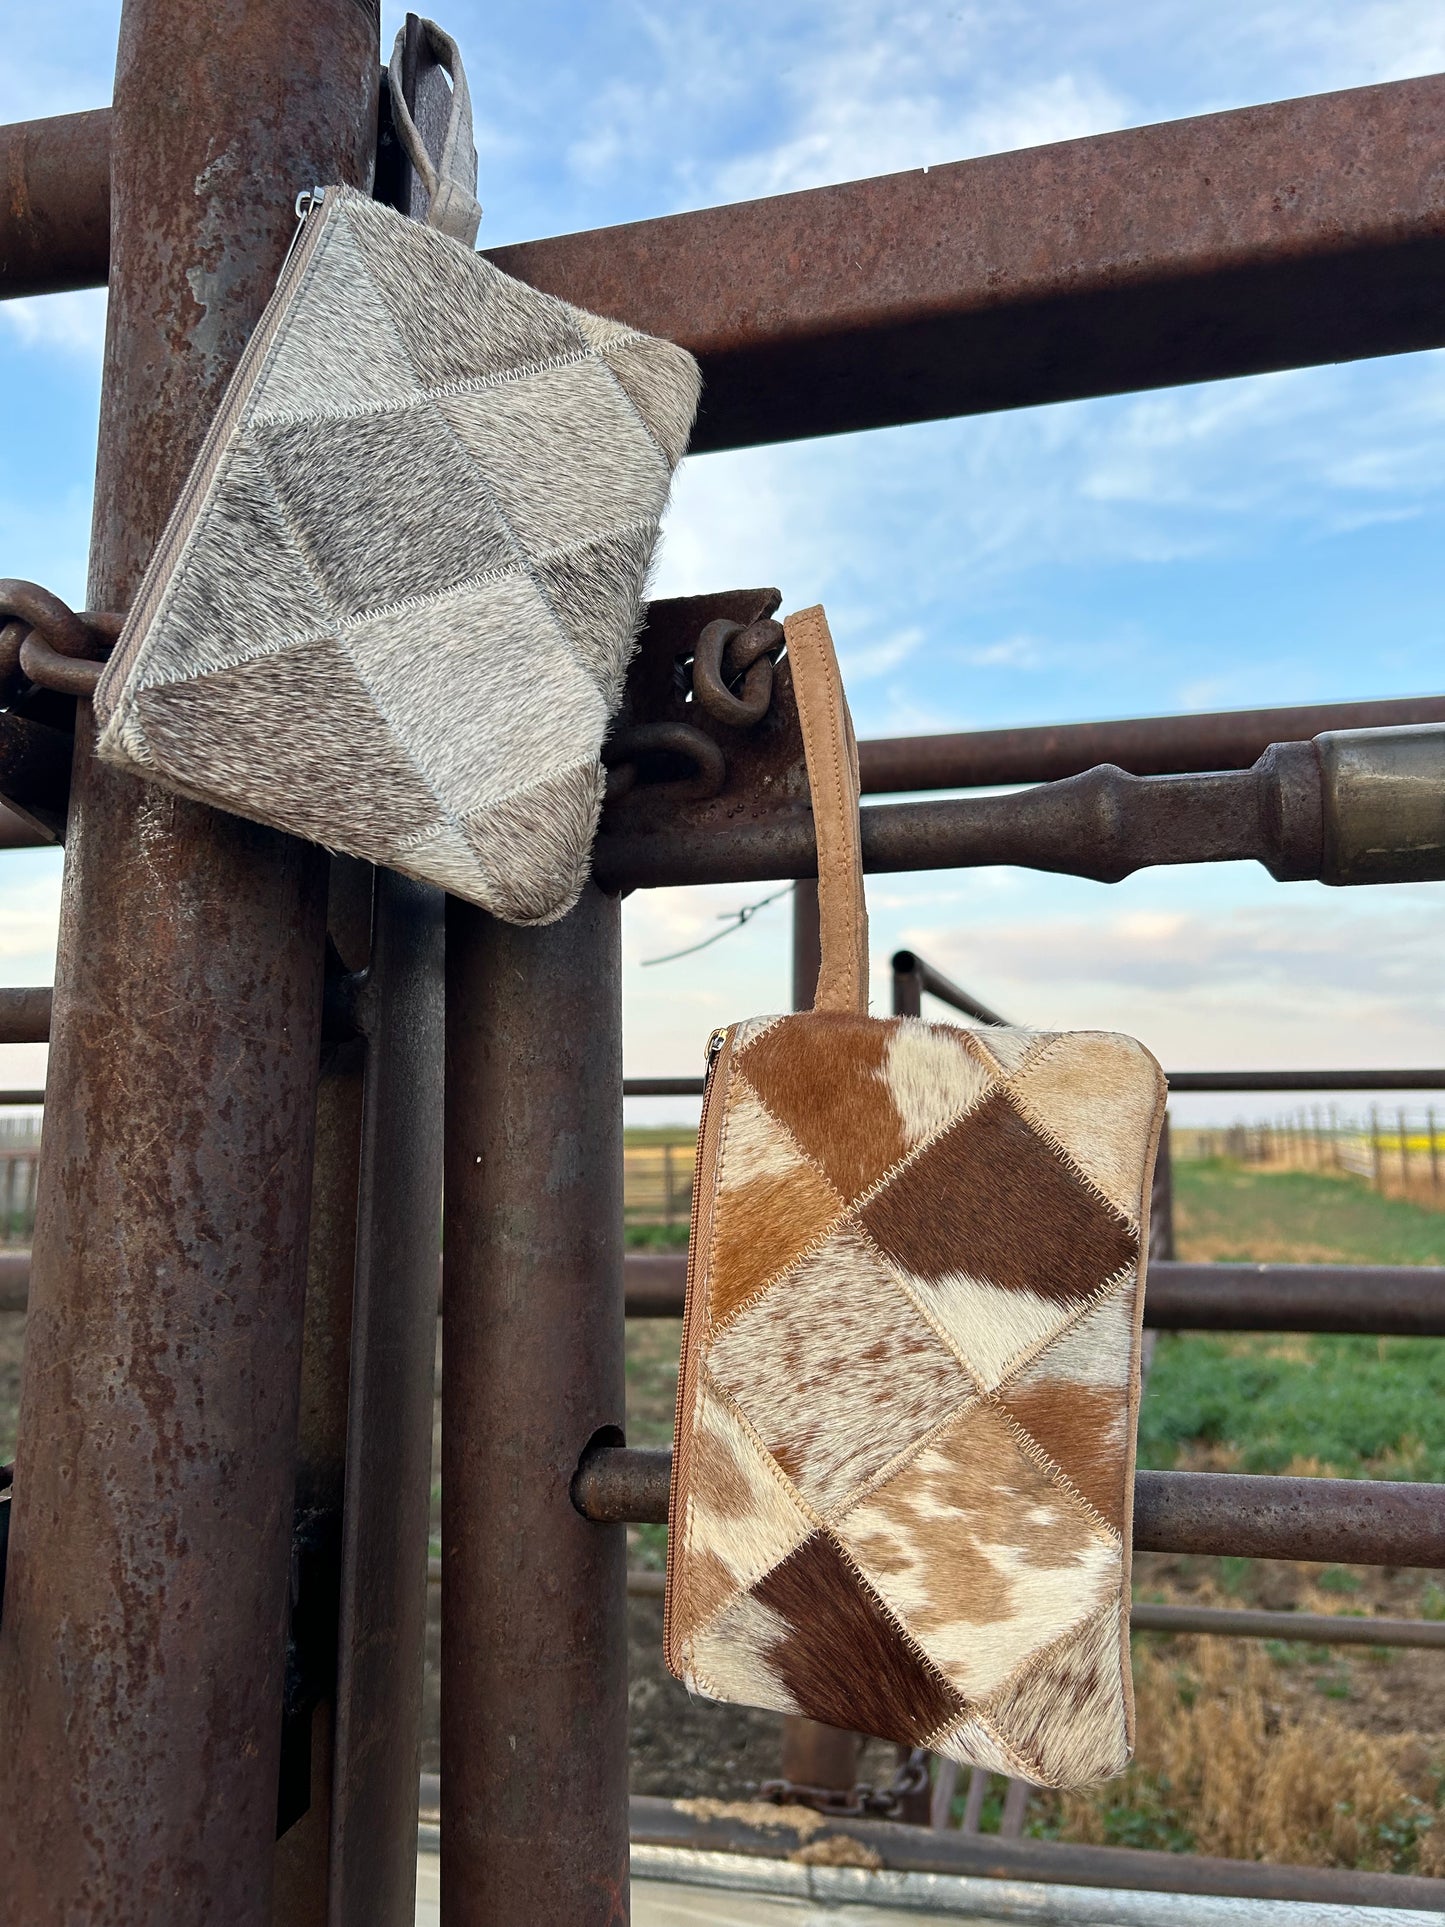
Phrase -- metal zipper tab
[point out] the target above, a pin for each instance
(307, 200)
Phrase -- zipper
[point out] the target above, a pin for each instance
(704, 1172)
(182, 517)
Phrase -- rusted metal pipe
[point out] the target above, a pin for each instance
(55, 197)
(1350, 1521)
(1318, 1629)
(1339, 810)
(913, 975)
(534, 1649)
(1143, 745)
(142, 1642)
(658, 1822)
(25, 1015)
(1271, 237)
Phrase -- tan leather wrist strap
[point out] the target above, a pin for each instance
(832, 757)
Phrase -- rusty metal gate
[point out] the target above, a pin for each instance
(213, 1610)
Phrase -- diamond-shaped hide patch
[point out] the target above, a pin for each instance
(742, 1517)
(1072, 1400)
(979, 1552)
(472, 638)
(1083, 1673)
(771, 1203)
(564, 451)
(992, 1198)
(842, 1658)
(392, 508)
(836, 1371)
(1096, 1095)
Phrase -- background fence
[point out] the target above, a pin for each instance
(1400, 1152)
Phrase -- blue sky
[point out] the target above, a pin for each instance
(1236, 543)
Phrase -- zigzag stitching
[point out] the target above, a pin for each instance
(1027, 1667)
(1112, 1287)
(1050, 1136)
(911, 1157)
(1024, 1439)
(901, 1461)
(1028, 1769)
(925, 1312)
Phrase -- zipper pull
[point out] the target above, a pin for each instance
(714, 1045)
(307, 201)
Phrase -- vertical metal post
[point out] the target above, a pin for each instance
(1161, 1199)
(534, 1628)
(807, 945)
(1434, 1151)
(141, 1649)
(1376, 1163)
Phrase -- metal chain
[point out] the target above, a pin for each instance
(856, 1802)
(732, 682)
(44, 644)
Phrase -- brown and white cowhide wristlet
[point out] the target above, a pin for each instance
(904, 1462)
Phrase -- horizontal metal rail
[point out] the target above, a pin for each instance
(1376, 1301)
(1399, 1301)
(1313, 810)
(1143, 745)
(713, 1827)
(1431, 1078)
(19, 1097)
(1217, 1622)
(1273, 237)
(1343, 1521)
(1315, 1629)
(25, 1015)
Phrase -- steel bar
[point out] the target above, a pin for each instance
(534, 1649)
(1401, 1301)
(1218, 1622)
(1104, 824)
(303, 1850)
(658, 1822)
(1350, 1521)
(1143, 745)
(55, 197)
(25, 1015)
(142, 1644)
(389, 1419)
(19, 1097)
(1318, 1629)
(913, 975)
(1392, 1079)
(1271, 237)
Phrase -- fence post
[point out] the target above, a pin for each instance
(534, 1596)
(1434, 1151)
(1404, 1154)
(1375, 1153)
(667, 1212)
(142, 1644)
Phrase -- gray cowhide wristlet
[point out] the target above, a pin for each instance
(393, 609)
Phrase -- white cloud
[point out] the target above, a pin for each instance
(72, 324)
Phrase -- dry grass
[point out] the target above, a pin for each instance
(1224, 1767)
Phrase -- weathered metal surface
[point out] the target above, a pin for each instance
(1105, 824)
(25, 1015)
(1402, 1301)
(1384, 804)
(534, 1653)
(1324, 1629)
(1143, 745)
(1384, 1301)
(1271, 237)
(141, 1651)
(1352, 1521)
(913, 975)
(55, 203)
(658, 1822)
(389, 1422)
(1277, 236)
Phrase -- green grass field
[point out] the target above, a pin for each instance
(1345, 1407)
